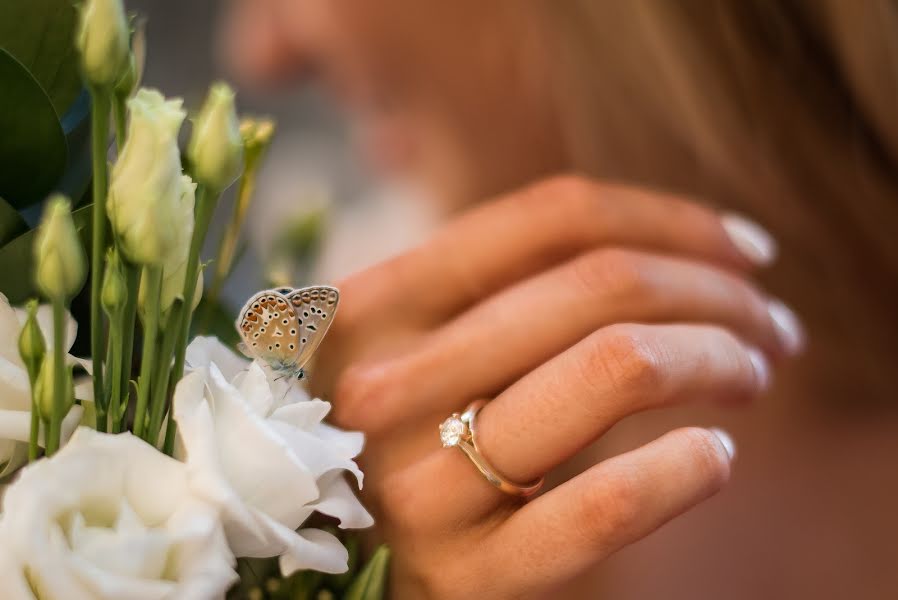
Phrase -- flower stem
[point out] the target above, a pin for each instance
(160, 385)
(59, 390)
(205, 203)
(153, 282)
(129, 318)
(119, 113)
(35, 415)
(107, 382)
(99, 135)
(114, 380)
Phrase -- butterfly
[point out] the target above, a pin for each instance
(284, 327)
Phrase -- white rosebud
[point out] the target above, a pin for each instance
(61, 265)
(146, 187)
(102, 40)
(174, 269)
(216, 146)
(43, 389)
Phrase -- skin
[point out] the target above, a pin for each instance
(571, 303)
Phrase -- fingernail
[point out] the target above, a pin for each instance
(726, 441)
(761, 366)
(751, 239)
(788, 327)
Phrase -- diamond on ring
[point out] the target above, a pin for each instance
(459, 431)
(452, 431)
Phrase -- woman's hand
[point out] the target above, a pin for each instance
(573, 304)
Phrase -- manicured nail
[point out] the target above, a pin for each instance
(751, 239)
(788, 327)
(726, 441)
(761, 366)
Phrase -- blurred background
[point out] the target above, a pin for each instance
(318, 213)
(755, 123)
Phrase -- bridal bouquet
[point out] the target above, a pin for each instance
(160, 466)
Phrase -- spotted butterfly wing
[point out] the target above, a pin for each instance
(284, 327)
(315, 307)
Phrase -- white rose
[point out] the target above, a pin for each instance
(15, 391)
(266, 459)
(146, 187)
(110, 517)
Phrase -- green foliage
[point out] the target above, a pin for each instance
(11, 222)
(40, 35)
(42, 108)
(371, 583)
(33, 146)
(260, 579)
(17, 259)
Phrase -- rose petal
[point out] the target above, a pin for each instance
(252, 474)
(203, 351)
(15, 587)
(253, 387)
(303, 415)
(314, 549)
(339, 501)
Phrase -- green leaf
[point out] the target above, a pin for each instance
(371, 584)
(17, 259)
(32, 146)
(11, 222)
(340, 581)
(41, 35)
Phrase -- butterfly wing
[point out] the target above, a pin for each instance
(268, 325)
(315, 309)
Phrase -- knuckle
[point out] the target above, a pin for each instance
(360, 393)
(629, 359)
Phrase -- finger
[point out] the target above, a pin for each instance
(613, 504)
(561, 407)
(525, 232)
(512, 332)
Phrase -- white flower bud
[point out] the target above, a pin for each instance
(102, 40)
(174, 269)
(61, 265)
(216, 147)
(146, 187)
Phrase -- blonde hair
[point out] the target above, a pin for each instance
(785, 110)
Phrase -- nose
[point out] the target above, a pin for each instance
(256, 41)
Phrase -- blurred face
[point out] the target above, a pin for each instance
(454, 95)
